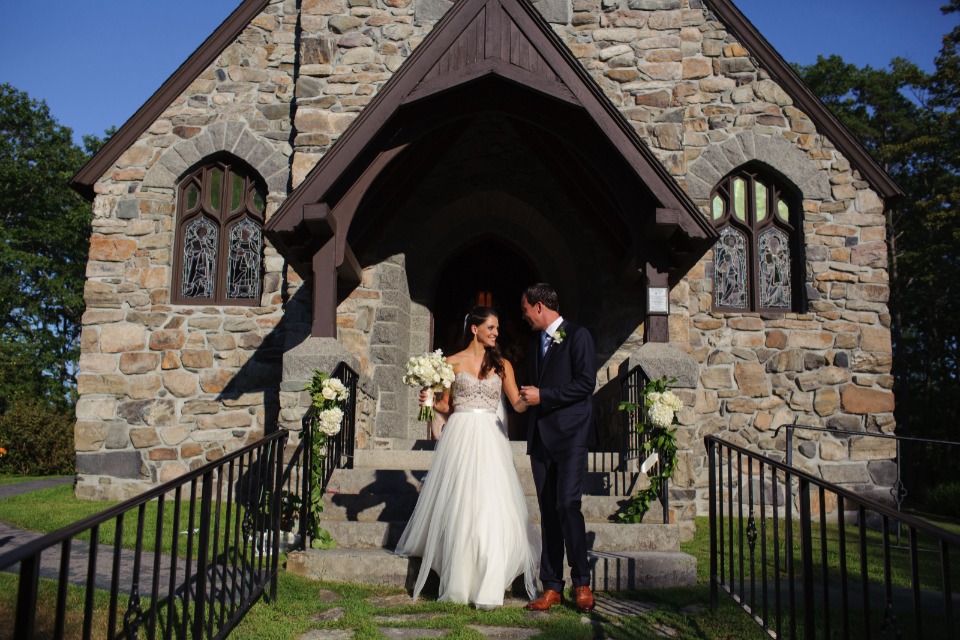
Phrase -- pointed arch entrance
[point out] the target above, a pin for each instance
(488, 272)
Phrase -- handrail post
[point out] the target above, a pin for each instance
(280, 446)
(27, 597)
(306, 507)
(789, 445)
(806, 559)
(711, 461)
(203, 553)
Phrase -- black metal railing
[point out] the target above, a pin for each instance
(339, 448)
(809, 559)
(204, 549)
(898, 491)
(631, 390)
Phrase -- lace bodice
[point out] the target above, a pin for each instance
(471, 392)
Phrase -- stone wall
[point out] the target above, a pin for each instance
(704, 107)
(165, 388)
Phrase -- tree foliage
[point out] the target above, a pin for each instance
(909, 121)
(44, 242)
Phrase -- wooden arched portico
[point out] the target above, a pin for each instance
(490, 59)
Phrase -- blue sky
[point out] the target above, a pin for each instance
(96, 62)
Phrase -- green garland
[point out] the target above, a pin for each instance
(663, 440)
(320, 538)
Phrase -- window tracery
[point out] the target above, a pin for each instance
(758, 254)
(219, 241)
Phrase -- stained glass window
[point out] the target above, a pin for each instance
(774, 265)
(243, 280)
(219, 258)
(756, 259)
(730, 270)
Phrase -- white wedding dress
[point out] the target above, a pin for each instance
(471, 524)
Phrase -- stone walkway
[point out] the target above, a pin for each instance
(17, 488)
(608, 606)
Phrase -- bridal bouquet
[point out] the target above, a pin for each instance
(429, 372)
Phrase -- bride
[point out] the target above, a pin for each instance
(470, 524)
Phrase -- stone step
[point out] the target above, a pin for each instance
(602, 536)
(394, 481)
(610, 571)
(419, 460)
(399, 507)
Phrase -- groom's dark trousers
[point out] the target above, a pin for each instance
(561, 429)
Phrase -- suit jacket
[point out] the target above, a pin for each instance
(566, 378)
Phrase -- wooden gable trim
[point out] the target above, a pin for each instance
(826, 122)
(176, 84)
(431, 69)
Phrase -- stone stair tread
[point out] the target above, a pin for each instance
(399, 507)
(417, 460)
(398, 481)
(601, 536)
(611, 571)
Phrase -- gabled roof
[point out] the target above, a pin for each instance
(176, 84)
(480, 39)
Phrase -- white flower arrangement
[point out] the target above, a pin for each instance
(329, 421)
(429, 372)
(558, 336)
(333, 389)
(662, 407)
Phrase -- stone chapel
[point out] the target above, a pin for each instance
(327, 180)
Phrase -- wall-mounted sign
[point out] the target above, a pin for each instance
(658, 300)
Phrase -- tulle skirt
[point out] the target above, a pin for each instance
(471, 524)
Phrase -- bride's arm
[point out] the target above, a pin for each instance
(510, 388)
(443, 404)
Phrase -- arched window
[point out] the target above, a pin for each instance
(757, 263)
(218, 255)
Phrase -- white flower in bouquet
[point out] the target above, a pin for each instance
(672, 401)
(334, 390)
(329, 420)
(429, 372)
(663, 407)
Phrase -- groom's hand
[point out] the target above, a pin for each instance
(530, 395)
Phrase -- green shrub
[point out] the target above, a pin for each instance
(38, 439)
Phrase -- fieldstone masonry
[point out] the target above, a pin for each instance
(165, 388)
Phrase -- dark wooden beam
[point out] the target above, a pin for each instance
(325, 291)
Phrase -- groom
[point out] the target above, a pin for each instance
(562, 371)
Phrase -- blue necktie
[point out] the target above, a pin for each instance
(544, 341)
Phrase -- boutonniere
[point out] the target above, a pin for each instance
(559, 336)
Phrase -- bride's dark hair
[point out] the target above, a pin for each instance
(492, 358)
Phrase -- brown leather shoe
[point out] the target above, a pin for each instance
(547, 600)
(583, 599)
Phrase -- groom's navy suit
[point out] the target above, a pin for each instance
(561, 429)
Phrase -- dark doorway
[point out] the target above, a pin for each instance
(492, 273)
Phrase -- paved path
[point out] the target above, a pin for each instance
(17, 488)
